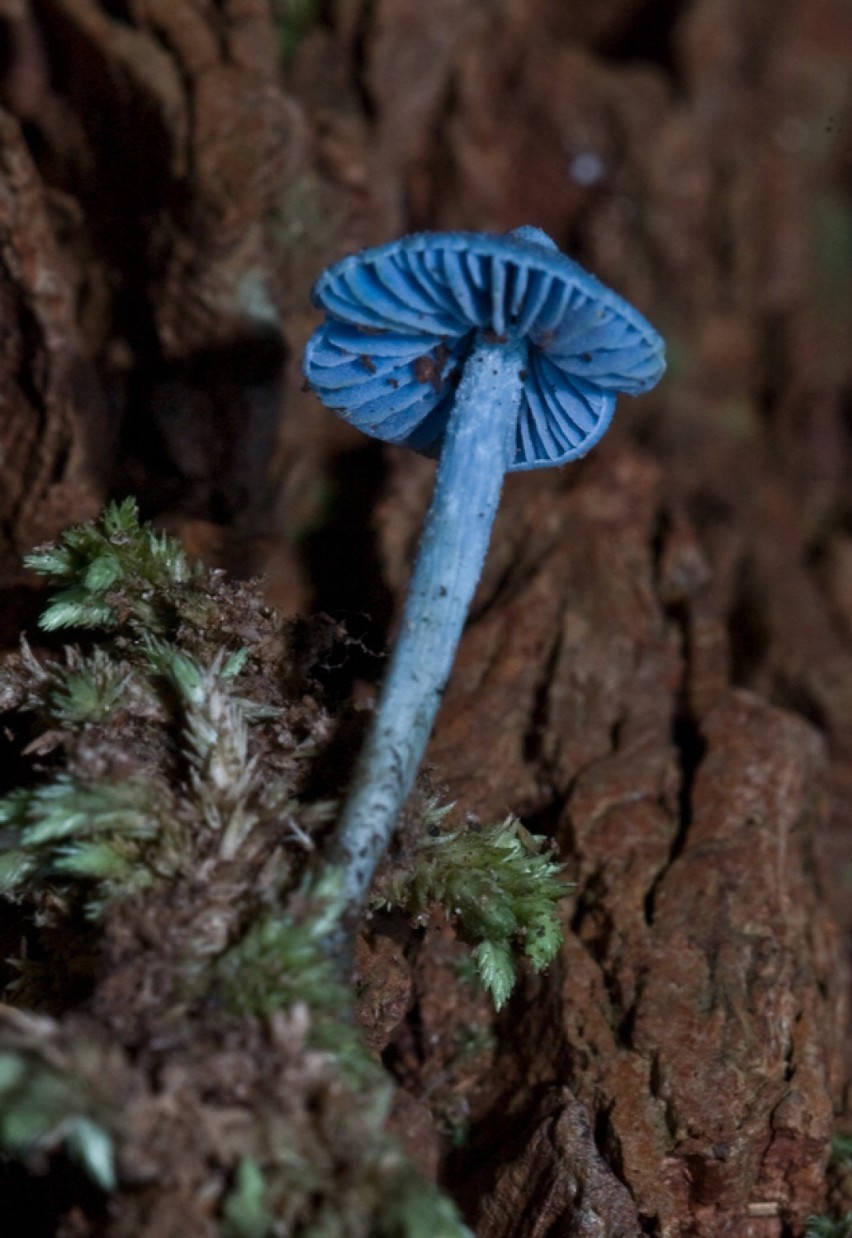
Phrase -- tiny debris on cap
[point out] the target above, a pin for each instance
(403, 317)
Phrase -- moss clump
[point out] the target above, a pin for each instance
(162, 829)
(114, 572)
(499, 883)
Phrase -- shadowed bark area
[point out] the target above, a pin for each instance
(657, 671)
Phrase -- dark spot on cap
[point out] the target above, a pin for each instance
(429, 367)
(368, 363)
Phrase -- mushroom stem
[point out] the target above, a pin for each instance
(478, 447)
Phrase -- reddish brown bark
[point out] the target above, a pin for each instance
(658, 670)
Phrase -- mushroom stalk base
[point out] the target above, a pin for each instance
(479, 445)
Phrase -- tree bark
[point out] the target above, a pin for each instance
(658, 667)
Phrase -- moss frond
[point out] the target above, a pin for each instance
(283, 959)
(244, 1211)
(46, 1105)
(215, 738)
(71, 829)
(826, 1227)
(501, 886)
(90, 562)
(415, 1209)
(89, 689)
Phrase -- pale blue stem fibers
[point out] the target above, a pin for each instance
(478, 447)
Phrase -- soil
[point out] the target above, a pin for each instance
(657, 672)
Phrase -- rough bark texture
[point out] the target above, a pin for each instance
(658, 669)
(44, 410)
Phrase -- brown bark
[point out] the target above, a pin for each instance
(46, 468)
(658, 670)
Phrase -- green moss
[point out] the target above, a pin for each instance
(93, 562)
(825, 1227)
(244, 1212)
(500, 884)
(169, 810)
(143, 699)
(282, 959)
(90, 691)
(293, 19)
(44, 1107)
(70, 829)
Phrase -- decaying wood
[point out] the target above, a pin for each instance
(658, 669)
(48, 407)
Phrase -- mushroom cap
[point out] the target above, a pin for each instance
(402, 318)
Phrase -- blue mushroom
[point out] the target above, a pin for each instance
(495, 354)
